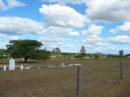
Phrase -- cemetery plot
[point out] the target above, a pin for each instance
(101, 78)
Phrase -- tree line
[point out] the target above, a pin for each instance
(32, 49)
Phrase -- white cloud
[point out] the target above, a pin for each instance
(1, 4)
(4, 39)
(122, 28)
(65, 44)
(59, 36)
(64, 1)
(17, 25)
(108, 10)
(62, 21)
(119, 39)
(93, 41)
(74, 33)
(8, 4)
(62, 15)
(15, 3)
(93, 35)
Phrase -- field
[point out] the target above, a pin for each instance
(100, 78)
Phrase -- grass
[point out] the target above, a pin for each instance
(100, 78)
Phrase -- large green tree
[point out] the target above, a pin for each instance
(27, 49)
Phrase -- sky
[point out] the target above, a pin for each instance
(99, 25)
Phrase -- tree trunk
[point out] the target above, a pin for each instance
(25, 60)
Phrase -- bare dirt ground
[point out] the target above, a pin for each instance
(100, 78)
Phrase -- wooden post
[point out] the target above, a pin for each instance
(121, 71)
(78, 90)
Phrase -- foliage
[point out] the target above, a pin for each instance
(26, 49)
(82, 52)
(43, 54)
(56, 51)
(3, 54)
(121, 53)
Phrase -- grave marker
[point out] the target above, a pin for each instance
(11, 64)
(21, 67)
(4, 67)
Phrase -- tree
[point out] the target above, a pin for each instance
(121, 53)
(56, 51)
(82, 52)
(44, 54)
(27, 49)
(3, 54)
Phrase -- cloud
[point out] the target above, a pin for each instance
(62, 21)
(74, 33)
(93, 35)
(52, 36)
(123, 39)
(93, 41)
(17, 26)
(60, 37)
(8, 4)
(108, 10)
(15, 3)
(65, 1)
(4, 39)
(1, 4)
(65, 44)
(122, 28)
(57, 34)
(62, 15)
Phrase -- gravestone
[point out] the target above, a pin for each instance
(11, 64)
(4, 67)
(21, 67)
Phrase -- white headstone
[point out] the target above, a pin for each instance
(4, 67)
(11, 64)
(21, 67)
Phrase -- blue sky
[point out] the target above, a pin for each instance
(99, 25)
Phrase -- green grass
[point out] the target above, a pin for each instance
(100, 78)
